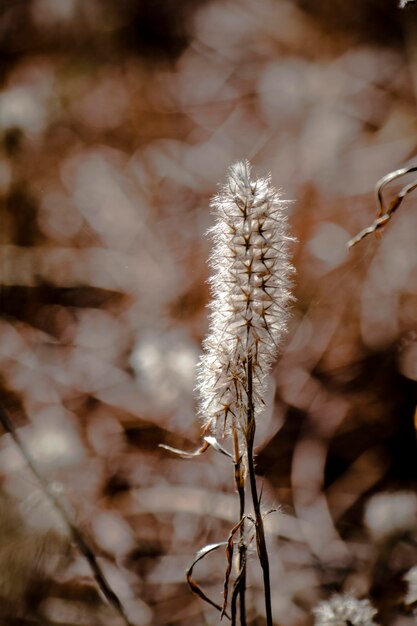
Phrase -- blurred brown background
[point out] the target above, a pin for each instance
(117, 121)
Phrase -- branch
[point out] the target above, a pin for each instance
(76, 534)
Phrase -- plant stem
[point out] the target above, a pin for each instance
(240, 487)
(73, 530)
(259, 524)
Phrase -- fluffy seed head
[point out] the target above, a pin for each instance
(250, 293)
(343, 610)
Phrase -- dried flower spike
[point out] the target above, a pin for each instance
(251, 290)
(344, 610)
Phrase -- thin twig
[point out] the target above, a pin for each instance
(259, 524)
(387, 179)
(76, 534)
(385, 214)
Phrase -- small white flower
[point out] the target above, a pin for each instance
(251, 290)
(344, 609)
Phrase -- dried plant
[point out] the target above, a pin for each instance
(249, 310)
(116, 122)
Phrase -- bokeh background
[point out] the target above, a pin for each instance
(117, 122)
